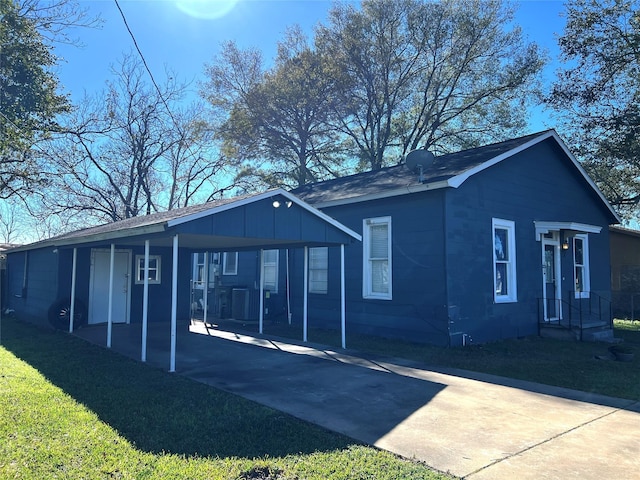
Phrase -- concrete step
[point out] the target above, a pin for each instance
(549, 331)
(599, 335)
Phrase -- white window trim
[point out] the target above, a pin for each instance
(140, 270)
(366, 265)
(276, 265)
(225, 269)
(586, 280)
(510, 227)
(324, 268)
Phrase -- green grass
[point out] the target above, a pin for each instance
(71, 410)
(553, 362)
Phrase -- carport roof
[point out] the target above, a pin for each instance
(162, 225)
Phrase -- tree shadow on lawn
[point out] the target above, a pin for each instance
(161, 412)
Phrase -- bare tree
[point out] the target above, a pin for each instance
(130, 151)
(10, 222)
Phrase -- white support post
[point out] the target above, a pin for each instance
(205, 290)
(288, 290)
(343, 322)
(72, 308)
(261, 316)
(306, 294)
(110, 307)
(145, 301)
(174, 304)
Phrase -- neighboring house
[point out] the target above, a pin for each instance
(494, 242)
(625, 272)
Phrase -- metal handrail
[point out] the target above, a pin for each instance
(588, 306)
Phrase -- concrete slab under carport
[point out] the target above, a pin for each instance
(471, 425)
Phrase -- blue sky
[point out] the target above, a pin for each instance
(169, 36)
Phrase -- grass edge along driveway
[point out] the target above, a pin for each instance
(69, 409)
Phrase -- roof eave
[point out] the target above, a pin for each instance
(95, 238)
(407, 189)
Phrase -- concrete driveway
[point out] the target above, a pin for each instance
(471, 425)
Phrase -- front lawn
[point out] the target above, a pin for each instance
(72, 410)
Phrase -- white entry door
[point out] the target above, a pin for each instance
(99, 286)
(551, 277)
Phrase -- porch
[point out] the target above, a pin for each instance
(581, 316)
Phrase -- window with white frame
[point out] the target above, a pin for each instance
(376, 242)
(581, 265)
(154, 269)
(270, 269)
(504, 261)
(318, 269)
(230, 263)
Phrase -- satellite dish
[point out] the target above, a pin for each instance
(418, 160)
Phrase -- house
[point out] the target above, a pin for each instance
(500, 241)
(139, 270)
(3, 260)
(625, 271)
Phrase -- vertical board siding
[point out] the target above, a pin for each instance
(41, 289)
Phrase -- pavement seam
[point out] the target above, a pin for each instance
(531, 447)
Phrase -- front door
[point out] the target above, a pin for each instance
(99, 286)
(551, 291)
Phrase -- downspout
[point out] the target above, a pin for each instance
(288, 291)
(446, 264)
(72, 308)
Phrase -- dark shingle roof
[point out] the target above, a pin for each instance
(147, 220)
(388, 179)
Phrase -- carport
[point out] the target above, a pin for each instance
(269, 220)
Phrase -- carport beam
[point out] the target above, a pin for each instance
(72, 308)
(174, 304)
(110, 307)
(145, 301)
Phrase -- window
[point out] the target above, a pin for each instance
(154, 269)
(376, 241)
(230, 263)
(199, 269)
(318, 269)
(270, 270)
(581, 265)
(504, 261)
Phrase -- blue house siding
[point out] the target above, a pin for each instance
(417, 310)
(32, 294)
(536, 184)
(262, 220)
(160, 294)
